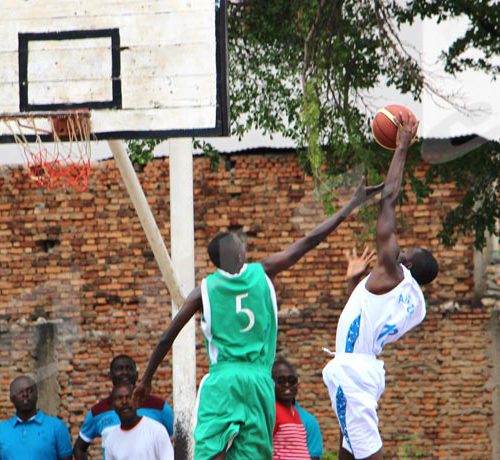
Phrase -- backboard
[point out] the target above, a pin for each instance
(144, 69)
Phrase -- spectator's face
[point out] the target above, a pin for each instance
(123, 370)
(121, 399)
(286, 383)
(24, 395)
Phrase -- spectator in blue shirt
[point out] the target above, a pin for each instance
(31, 434)
(101, 418)
(313, 432)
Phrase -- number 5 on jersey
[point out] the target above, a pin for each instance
(245, 311)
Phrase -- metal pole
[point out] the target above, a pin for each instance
(182, 244)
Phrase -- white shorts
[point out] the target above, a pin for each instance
(355, 383)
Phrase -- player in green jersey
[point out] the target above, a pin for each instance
(236, 402)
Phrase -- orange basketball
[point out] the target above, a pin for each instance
(384, 124)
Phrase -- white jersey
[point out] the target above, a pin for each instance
(355, 378)
(370, 321)
(148, 440)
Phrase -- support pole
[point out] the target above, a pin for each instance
(147, 221)
(182, 244)
(182, 239)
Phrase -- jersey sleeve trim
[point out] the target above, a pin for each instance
(206, 323)
(85, 438)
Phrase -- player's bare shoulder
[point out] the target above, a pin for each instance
(383, 279)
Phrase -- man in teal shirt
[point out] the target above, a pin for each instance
(31, 434)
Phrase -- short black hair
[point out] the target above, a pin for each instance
(282, 361)
(116, 358)
(120, 384)
(215, 244)
(424, 266)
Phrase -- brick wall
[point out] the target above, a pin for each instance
(80, 261)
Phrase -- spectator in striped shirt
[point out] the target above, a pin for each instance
(296, 433)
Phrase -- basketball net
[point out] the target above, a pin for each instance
(62, 158)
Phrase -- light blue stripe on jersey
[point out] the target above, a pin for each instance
(341, 413)
(352, 335)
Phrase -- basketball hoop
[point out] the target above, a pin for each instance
(55, 145)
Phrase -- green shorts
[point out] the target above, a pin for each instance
(236, 413)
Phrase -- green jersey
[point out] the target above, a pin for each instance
(240, 316)
(236, 399)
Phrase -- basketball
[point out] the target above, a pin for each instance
(384, 124)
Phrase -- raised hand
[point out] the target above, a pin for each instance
(364, 192)
(358, 266)
(407, 130)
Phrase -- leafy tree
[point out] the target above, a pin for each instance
(141, 151)
(304, 68)
(482, 34)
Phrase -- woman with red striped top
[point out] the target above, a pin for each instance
(289, 435)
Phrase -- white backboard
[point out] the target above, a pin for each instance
(145, 69)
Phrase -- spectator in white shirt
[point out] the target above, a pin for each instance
(137, 437)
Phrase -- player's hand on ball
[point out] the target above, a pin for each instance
(407, 130)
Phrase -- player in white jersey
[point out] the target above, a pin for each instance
(382, 307)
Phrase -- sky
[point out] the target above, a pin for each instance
(475, 90)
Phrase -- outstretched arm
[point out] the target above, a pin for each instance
(283, 260)
(387, 246)
(192, 304)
